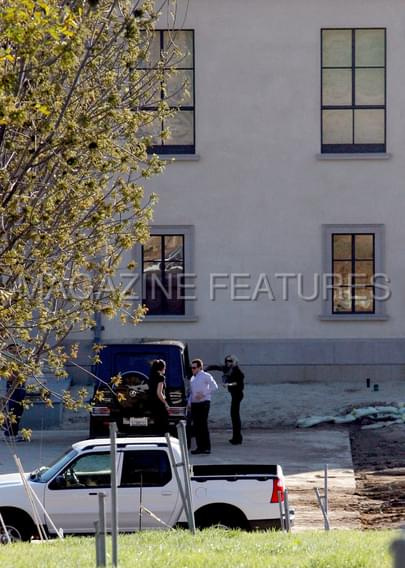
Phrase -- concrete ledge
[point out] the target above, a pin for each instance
(370, 156)
(354, 317)
(180, 157)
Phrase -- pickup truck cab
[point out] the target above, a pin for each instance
(127, 404)
(244, 496)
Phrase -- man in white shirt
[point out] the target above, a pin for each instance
(202, 384)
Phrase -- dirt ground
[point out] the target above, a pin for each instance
(379, 464)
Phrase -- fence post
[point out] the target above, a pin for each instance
(6, 537)
(282, 516)
(114, 502)
(179, 483)
(286, 511)
(102, 529)
(398, 551)
(97, 540)
(181, 430)
(320, 503)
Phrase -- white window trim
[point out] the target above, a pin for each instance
(188, 232)
(380, 305)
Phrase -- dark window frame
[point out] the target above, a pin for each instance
(353, 284)
(355, 148)
(164, 311)
(166, 475)
(170, 148)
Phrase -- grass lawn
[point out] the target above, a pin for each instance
(213, 548)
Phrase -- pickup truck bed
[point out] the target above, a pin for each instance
(233, 472)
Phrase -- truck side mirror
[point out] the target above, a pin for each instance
(58, 483)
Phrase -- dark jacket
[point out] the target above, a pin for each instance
(230, 375)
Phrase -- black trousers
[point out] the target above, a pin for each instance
(161, 419)
(235, 416)
(199, 415)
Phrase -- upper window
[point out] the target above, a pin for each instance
(353, 97)
(176, 49)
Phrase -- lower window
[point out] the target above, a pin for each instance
(355, 283)
(353, 269)
(167, 278)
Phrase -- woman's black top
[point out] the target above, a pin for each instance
(154, 379)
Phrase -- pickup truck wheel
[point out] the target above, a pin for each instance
(17, 528)
(222, 516)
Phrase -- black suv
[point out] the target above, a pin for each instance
(127, 404)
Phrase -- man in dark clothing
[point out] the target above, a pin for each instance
(233, 379)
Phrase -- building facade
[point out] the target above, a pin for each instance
(280, 224)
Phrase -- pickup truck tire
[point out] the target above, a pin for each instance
(222, 515)
(19, 525)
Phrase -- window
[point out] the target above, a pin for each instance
(177, 90)
(355, 283)
(163, 270)
(89, 470)
(167, 278)
(353, 259)
(353, 90)
(150, 468)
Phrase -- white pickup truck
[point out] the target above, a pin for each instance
(244, 496)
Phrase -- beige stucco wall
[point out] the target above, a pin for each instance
(258, 196)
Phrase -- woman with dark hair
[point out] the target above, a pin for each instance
(232, 378)
(159, 406)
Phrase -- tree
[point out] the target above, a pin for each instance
(75, 78)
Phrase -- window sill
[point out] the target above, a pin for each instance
(180, 157)
(370, 156)
(354, 317)
(170, 319)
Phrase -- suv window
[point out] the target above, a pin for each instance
(150, 468)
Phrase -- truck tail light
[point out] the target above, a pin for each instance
(278, 487)
(100, 411)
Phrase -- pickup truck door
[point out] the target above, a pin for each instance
(147, 482)
(71, 497)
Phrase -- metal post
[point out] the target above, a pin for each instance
(286, 511)
(114, 504)
(140, 503)
(179, 483)
(280, 506)
(102, 527)
(181, 429)
(6, 535)
(325, 493)
(325, 516)
(398, 551)
(97, 536)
